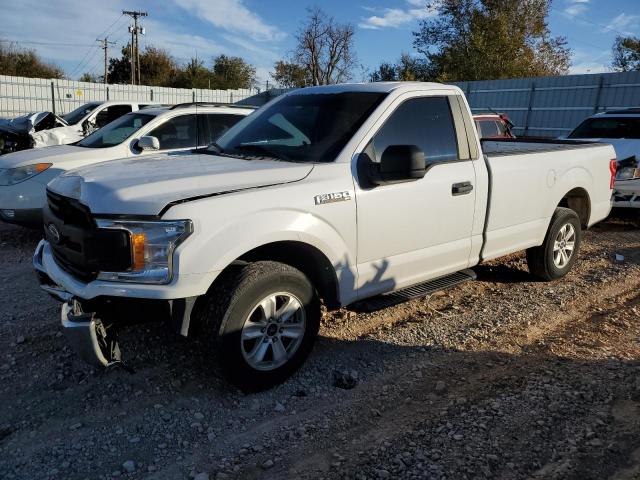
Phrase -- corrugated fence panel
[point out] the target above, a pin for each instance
(553, 106)
(19, 95)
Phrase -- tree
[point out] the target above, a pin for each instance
(20, 62)
(231, 73)
(192, 75)
(119, 71)
(386, 72)
(490, 39)
(324, 53)
(157, 67)
(290, 75)
(406, 69)
(90, 77)
(626, 54)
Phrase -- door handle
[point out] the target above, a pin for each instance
(462, 188)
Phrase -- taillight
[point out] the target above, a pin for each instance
(613, 165)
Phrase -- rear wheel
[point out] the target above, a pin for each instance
(264, 318)
(555, 257)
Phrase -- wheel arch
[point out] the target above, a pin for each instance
(578, 200)
(305, 257)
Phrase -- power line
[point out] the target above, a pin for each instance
(19, 42)
(576, 17)
(86, 59)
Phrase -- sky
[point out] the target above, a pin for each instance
(263, 31)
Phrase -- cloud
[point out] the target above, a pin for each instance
(184, 34)
(624, 23)
(576, 7)
(589, 62)
(233, 16)
(396, 17)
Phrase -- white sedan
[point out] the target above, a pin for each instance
(25, 174)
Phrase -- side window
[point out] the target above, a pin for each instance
(219, 124)
(425, 122)
(488, 129)
(177, 132)
(110, 114)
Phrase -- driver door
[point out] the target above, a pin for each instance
(416, 230)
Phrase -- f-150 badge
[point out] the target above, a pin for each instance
(332, 197)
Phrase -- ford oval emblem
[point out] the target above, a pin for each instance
(54, 234)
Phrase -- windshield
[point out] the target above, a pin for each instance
(79, 113)
(301, 128)
(117, 131)
(608, 127)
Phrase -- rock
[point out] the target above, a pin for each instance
(266, 465)
(221, 476)
(440, 387)
(201, 476)
(345, 379)
(75, 426)
(198, 416)
(383, 473)
(279, 407)
(458, 437)
(129, 466)
(20, 340)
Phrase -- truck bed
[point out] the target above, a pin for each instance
(546, 171)
(515, 146)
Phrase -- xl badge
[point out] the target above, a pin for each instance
(332, 197)
(54, 234)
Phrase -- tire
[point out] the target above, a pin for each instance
(248, 317)
(553, 259)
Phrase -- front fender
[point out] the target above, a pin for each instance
(214, 246)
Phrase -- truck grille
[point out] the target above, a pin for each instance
(78, 246)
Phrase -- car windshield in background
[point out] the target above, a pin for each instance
(117, 131)
(302, 127)
(608, 127)
(78, 114)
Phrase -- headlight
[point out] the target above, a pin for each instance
(627, 173)
(152, 245)
(11, 176)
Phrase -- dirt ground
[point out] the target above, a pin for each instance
(501, 378)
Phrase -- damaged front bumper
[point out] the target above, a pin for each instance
(626, 193)
(91, 326)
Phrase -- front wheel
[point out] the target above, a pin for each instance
(555, 257)
(265, 319)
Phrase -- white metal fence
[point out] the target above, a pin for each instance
(20, 95)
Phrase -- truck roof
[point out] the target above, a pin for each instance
(374, 87)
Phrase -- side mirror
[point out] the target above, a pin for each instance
(399, 163)
(148, 143)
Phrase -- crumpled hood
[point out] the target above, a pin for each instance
(58, 154)
(26, 124)
(144, 186)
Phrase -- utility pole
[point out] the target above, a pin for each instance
(135, 50)
(104, 45)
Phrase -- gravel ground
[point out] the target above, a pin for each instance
(502, 378)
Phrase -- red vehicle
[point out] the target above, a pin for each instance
(493, 125)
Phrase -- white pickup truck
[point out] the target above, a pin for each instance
(349, 195)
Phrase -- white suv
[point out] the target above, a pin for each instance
(25, 174)
(620, 128)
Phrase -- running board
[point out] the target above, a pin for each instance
(414, 291)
